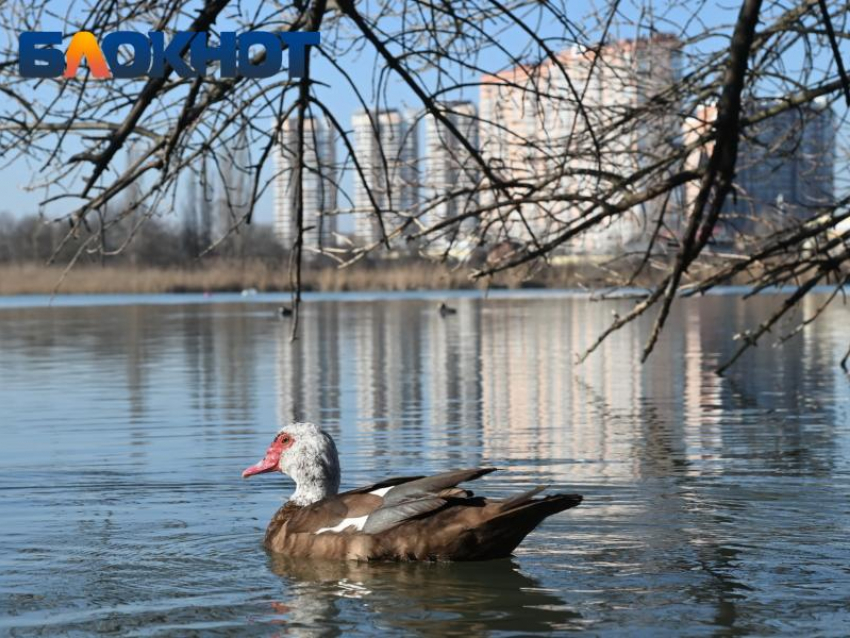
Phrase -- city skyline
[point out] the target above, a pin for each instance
(518, 139)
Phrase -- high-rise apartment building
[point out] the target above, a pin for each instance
(386, 147)
(533, 130)
(319, 179)
(784, 170)
(451, 173)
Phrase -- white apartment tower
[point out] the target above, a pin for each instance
(386, 147)
(319, 179)
(449, 167)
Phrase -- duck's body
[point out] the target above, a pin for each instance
(406, 518)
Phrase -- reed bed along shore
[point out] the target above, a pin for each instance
(234, 276)
(222, 277)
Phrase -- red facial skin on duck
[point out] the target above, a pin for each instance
(272, 458)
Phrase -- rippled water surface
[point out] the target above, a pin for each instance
(713, 506)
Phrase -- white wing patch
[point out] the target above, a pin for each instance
(358, 524)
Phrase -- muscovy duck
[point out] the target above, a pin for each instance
(405, 518)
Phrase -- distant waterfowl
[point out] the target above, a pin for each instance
(445, 309)
(404, 518)
(283, 311)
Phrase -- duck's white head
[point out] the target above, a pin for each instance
(308, 455)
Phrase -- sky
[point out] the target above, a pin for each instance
(362, 68)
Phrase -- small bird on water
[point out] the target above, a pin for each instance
(444, 310)
(283, 311)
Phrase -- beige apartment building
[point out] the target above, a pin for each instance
(532, 130)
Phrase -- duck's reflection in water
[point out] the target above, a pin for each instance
(414, 598)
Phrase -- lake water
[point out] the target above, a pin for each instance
(713, 506)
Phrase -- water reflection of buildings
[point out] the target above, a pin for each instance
(307, 369)
(498, 382)
(536, 403)
(454, 391)
(495, 383)
(388, 365)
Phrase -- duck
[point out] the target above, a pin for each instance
(408, 518)
(283, 312)
(444, 309)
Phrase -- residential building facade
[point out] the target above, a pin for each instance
(320, 185)
(387, 151)
(452, 175)
(548, 126)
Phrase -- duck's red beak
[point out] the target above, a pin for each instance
(269, 461)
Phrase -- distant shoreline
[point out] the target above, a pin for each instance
(234, 276)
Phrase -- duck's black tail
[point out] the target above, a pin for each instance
(514, 518)
(526, 507)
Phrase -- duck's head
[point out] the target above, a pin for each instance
(308, 456)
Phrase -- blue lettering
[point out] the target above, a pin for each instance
(151, 55)
(170, 54)
(274, 54)
(298, 41)
(202, 53)
(141, 53)
(52, 61)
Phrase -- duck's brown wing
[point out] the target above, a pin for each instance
(341, 513)
(378, 507)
